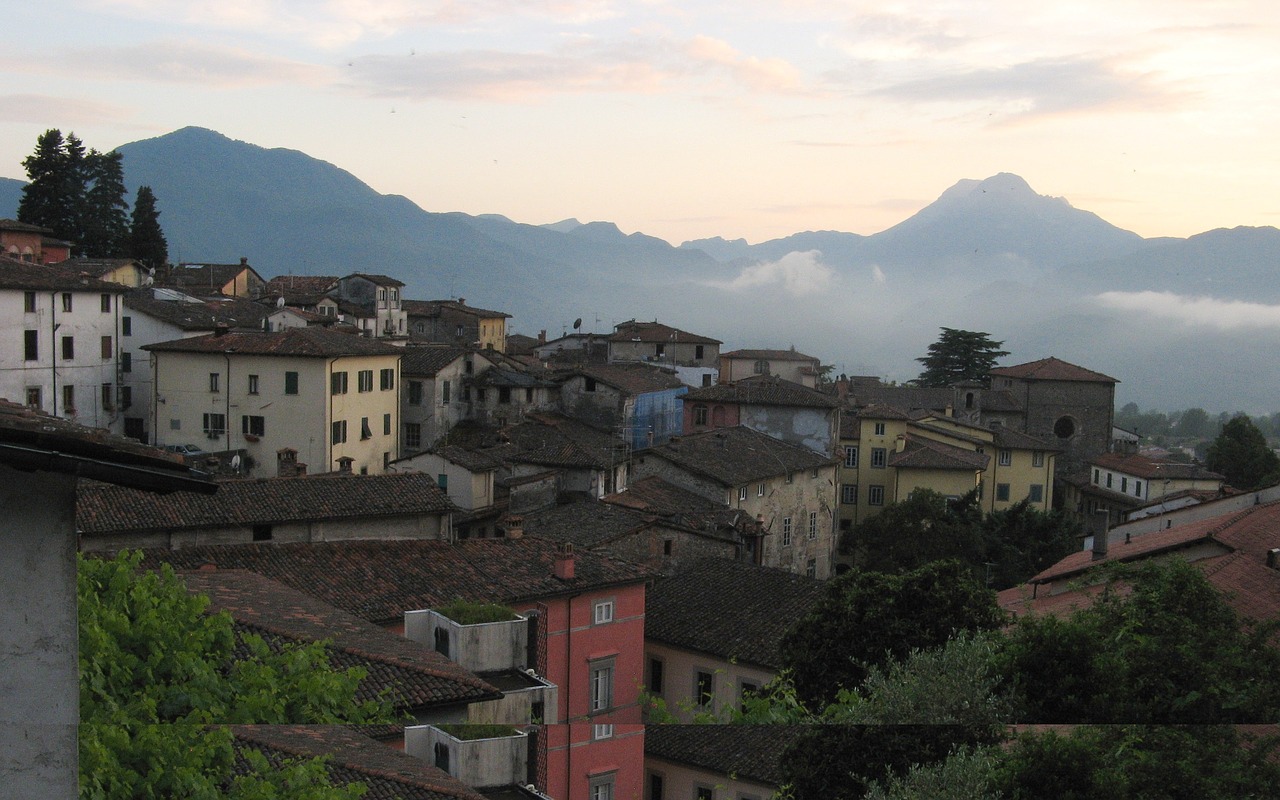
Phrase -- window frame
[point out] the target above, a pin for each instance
(602, 612)
(386, 380)
(338, 383)
(813, 525)
(253, 425)
(600, 678)
(291, 382)
(364, 380)
(879, 457)
(847, 491)
(875, 494)
(1005, 458)
(786, 531)
(31, 344)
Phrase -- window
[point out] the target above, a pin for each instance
(106, 304)
(1108, 480)
(442, 755)
(415, 393)
(467, 366)
(382, 298)
(504, 394)
(879, 457)
(879, 429)
(364, 380)
(108, 395)
(760, 490)
(849, 494)
(813, 524)
(528, 395)
(126, 397)
(603, 612)
(761, 368)
(66, 301)
(126, 361)
(33, 398)
(660, 349)
(655, 787)
(704, 793)
(786, 531)
(31, 345)
(600, 787)
(68, 348)
(1097, 477)
(811, 568)
(699, 415)
(338, 383)
(601, 685)
(791, 477)
(1002, 492)
(69, 399)
(1005, 458)
(589, 385)
(697, 352)
(655, 675)
(442, 641)
(602, 731)
(365, 433)
(1137, 488)
(1064, 428)
(742, 493)
(387, 380)
(291, 383)
(253, 384)
(29, 302)
(851, 457)
(704, 688)
(386, 424)
(126, 326)
(875, 495)
(106, 346)
(214, 424)
(262, 533)
(175, 424)
(1124, 484)
(253, 426)
(1036, 494)
(1037, 458)
(338, 432)
(412, 435)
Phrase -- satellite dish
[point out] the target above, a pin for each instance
(280, 301)
(235, 462)
(577, 323)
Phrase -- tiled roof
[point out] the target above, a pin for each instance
(205, 276)
(730, 609)
(1017, 440)
(16, 274)
(749, 752)
(882, 412)
(763, 390)
(290, 285)
(585, 523)
(924, 453)
(308, 342)
(500, 377)
(380, 280)
(432, 308)
(658, 496)
(380, 580)
(1151, 469)
(633, 331)
(1051, 369)
(519, 344)
(558, 440)
(427, 360)
(769, 355)
(388, 773)
(904, 397)
(736, 456)
(411, 673)
(201, 315)
(96, 267)
(631, 378)
(7, 224)
(110, 509)
(472, 460)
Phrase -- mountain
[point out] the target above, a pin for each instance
(10, 196)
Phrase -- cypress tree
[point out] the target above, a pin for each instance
(106, 232)
(146, 239)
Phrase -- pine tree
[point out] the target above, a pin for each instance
(146, 239)
(55, 192)
(959, 356)
(106, 232)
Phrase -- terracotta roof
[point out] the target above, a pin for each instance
(546, 438)
(96, 267)
(289, 285)
(925, 453)
(1017, 440)
(104, 509)
(730, 609)
(769, 355)
(585, 523)
(882, 412)
(658, 496)
(388, 773)
(411, 673)
(472, 460)
(380, 580)
(308, 342)
(7, 224)
(205, 276)
(428, 360)
(736, 456)
(750, 752)
(16, 274)
(763, 390)
(200, 315)
(380, 280)
(904, 397)
(633, 331)
(432, 308)
(500, 377)
(630, 378)
(1051, 369)
(1145, 467)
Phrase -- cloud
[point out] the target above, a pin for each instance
(1196, 311)
(191, 63)
(798, 273)
(756, 74)
(34, 108)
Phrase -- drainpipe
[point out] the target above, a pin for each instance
(53, 349)
(328, 435)
(226, 355)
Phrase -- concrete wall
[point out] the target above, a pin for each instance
(679, 681)
(145, 329)
(38, 636)
(436, 416)
(814, 428)
(682, 781)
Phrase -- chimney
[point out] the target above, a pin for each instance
(286, 462)
(244, 261)
(462, 301)
(344, 465)
(565, 562)
(514, 524)
(1100, 523)
(542, 336)
(901, 443)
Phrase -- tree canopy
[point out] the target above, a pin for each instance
(1241, 454)
(156, 671)
(957, 356)
(146, 238)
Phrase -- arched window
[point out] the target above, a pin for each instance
(968, 400)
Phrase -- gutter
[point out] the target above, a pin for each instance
(153, 479)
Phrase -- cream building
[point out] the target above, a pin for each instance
(325, 394)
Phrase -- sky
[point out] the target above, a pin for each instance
(689, 119)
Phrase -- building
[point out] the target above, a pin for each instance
(642, 403)
(433, 400)
(325, 394)
(714, 631)
(1121, 484)
(704, 762)
(454, 322)
(303, 292)
(782, 409)
(789, 365)
(31, 243)
(230, 280)
(62, 353)
(324, 508)
(373, 303)
(124, 271)
(789, 489)
(694, 358)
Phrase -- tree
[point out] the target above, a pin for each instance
(54, 193)
(959, 356)
(105, 219)
(1194, 423)
(1240, 453)
(146, 239)
(1158, 646)
(863, 618)
(156, 671)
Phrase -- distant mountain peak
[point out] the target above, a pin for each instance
(563, 226)
(1005, 184)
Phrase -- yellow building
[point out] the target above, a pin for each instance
(328, 395)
